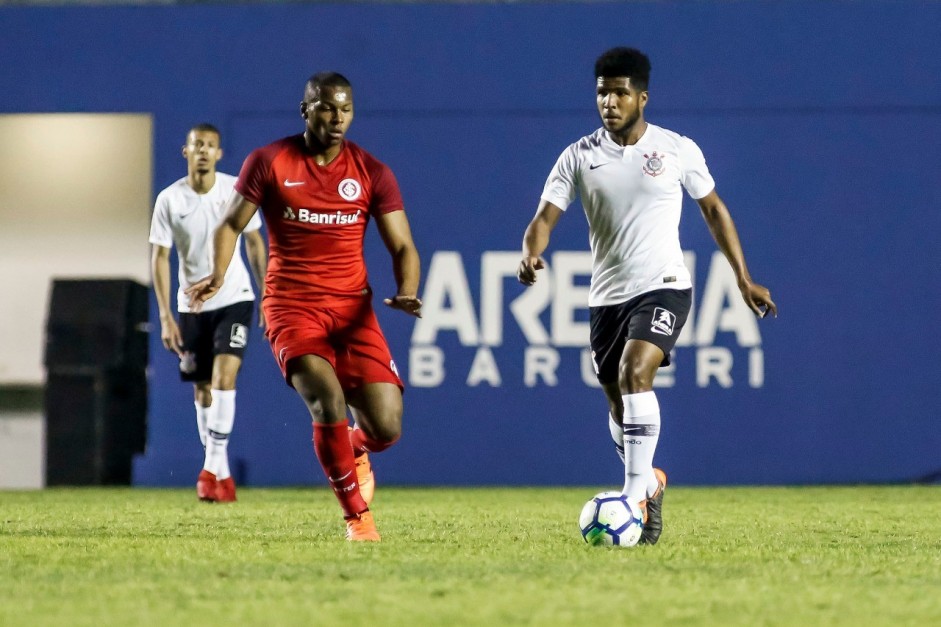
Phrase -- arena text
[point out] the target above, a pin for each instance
(552, 318)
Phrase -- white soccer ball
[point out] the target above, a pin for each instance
(611, 519)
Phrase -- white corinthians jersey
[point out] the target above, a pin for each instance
(188, 219)
(632, 198)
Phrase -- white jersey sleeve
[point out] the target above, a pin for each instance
(694, 174)
(161, 233)
(562, 184)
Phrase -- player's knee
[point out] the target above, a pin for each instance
(223, 381)
(388, 433)
(225, 370)
(635, 377)
(377, 445)
(384, 428)
(325, 411)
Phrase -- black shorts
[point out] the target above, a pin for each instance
(656, 317)
(210, 333)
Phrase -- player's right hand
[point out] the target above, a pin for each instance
(170, 335)
(758, 298)
(201, 291)
(409, 303)
(527, 270)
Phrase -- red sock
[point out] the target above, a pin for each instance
(332, 445)
(362, 443)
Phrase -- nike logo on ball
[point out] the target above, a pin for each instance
(288, 183)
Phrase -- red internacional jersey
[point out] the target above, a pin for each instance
(316, 216)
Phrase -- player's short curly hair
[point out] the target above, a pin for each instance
(204, 127)
(629, 62)
(325, 79)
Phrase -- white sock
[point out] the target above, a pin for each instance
(201, 417)
(617, 434)
(219, 426)
(641, 433)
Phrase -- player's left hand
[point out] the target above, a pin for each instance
(407, 303)
(262, 323)
(758, 299)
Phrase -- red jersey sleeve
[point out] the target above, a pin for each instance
(253, 178)
(386, 196)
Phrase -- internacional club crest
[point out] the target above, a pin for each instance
(350, 189)
(654, 165)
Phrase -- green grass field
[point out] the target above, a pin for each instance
(743, 556)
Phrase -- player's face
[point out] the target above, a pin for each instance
(329, 113)
(202, 151)
(619, 104)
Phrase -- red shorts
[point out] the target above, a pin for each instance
(346, 334)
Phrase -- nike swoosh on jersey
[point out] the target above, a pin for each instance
(288, 183)
(596, 166)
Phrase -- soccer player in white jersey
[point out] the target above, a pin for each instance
(210, 343)
(629, 175)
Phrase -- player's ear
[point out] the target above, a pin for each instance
(219, 153)
(183, 152)
(643, 99)
(304, 109)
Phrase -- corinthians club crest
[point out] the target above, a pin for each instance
(654, 165)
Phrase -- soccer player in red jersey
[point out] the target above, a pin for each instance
(317, 191)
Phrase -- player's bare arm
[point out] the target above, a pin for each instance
(397, 236)
(723, 230)
(239, 211)
(258, 260)
(169, 330)
(536, 240)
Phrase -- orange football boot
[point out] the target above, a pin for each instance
(362, 528)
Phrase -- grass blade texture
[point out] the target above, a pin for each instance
(740, 556)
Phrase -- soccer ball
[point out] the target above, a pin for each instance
(611, 519)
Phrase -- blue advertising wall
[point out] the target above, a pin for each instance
(820, 122)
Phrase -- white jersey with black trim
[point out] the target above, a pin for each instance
(632, 196)
(187, 219)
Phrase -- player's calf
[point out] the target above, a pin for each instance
(366, 478)
(364, 473)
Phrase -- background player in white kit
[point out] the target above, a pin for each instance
(629, 175)
(210, 343)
